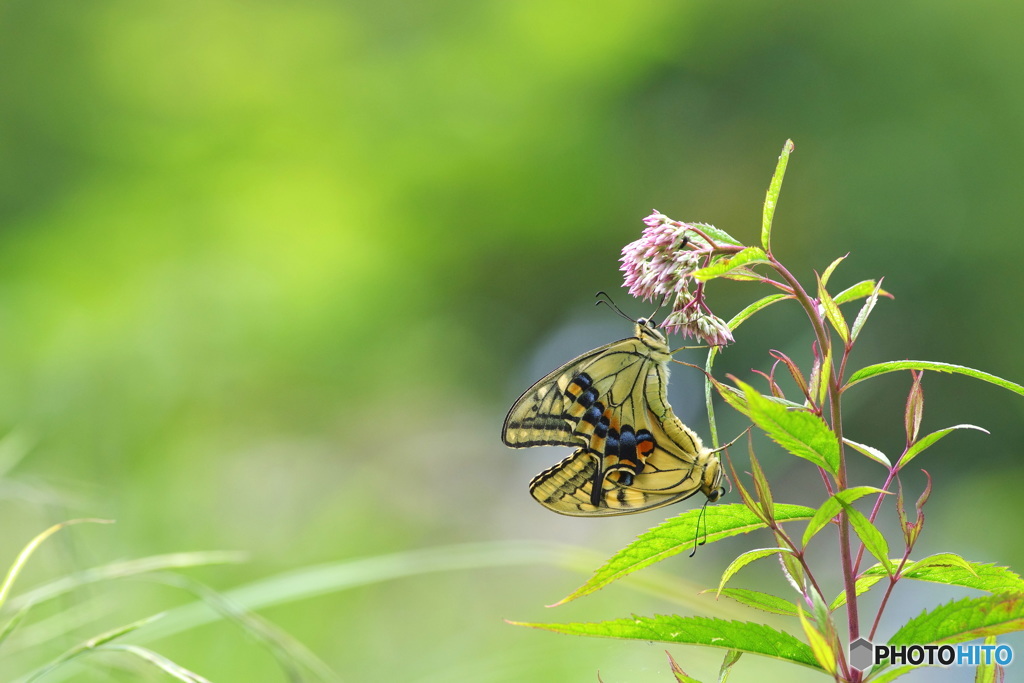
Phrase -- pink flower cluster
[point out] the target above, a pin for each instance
(659, 265)
(655, 263)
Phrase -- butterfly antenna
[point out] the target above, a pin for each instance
(696, 531)
(664, 300)
(607, 301)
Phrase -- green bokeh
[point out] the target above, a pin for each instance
(271, 273)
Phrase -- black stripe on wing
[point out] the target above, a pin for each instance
(549, 413)
(568, 489)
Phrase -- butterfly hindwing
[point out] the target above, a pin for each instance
(668, 474)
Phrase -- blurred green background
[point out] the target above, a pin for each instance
(271, 274)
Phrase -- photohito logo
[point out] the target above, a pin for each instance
(864, 654)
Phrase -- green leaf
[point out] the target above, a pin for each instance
(794, 371)
(930, 439)
(743, 274)
(865, 311)
(963, 620)
(745, 496)
(823, 619)
(873, 453)
(762, 601)
(824, 376)
(910, 531)
(745, 559)
(717, 234)
(861, 586)
(832, 507)
(953, 570)
(678, 672)
(800, 432)
(987, 671)
(793, 572)
(764, 491)
(898, 365)
(754, 308)
(831, 268)
(743, 636)
(771, 198)
(676, 534)
(814, 383)
(728, 662)
(942, 560)
(819, 645)
(732, 396)
(724, 265)
(870, 536)
(914, 409)
(859, 291)
(832, 312)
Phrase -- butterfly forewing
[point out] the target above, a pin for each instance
(550, 411)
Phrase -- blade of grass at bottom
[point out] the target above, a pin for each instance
(31, 547)
(291, 655)
(22, 604)
(348, 574)
(310, 582)
(158, 660)
(123, 570)
(85, 647)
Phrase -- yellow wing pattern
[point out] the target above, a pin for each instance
(633, 453)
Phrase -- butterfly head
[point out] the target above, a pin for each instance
(711, 484)
(647, 331)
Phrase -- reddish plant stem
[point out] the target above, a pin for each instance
(874, 511)
(888, 591)
(824, 343)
